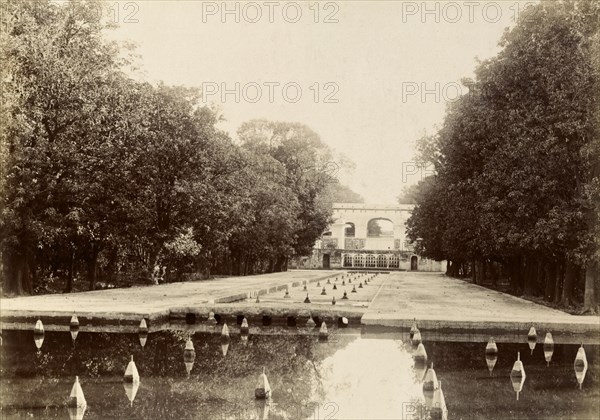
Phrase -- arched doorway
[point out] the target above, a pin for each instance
(414, 263)
(326, 261)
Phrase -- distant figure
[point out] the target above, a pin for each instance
(156, 274)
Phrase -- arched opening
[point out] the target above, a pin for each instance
(328, 233)
(414, 263)
(380, 228)
(326, 261)
(349, 230)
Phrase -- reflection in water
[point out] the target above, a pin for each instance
(244, 328)
(131, 372)
(77, 403)
(225, 339)
(143, 332)
(189, 355)
(439, 411)
(263, 388)
(420, 361)
(263, 408)
(74, 328)
(548, 348)
(76, 413)
(416, 338)
(348, 376)
(413, 329)
(38, 334)
(420, 355)
(581, 365)
(491, 354)
(131, 389)
(131, 381)
(517, 375)
(532, 338)
(323, 331)
(224, 348)
(366, 379)
(225, 333)
(419, 371)
(430, 384)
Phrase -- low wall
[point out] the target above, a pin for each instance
(316, 259)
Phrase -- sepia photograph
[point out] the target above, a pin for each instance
(314, 210)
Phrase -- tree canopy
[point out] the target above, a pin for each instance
(517, 160)
(117, 178)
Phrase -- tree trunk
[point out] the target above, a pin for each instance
(591, 299)
(17, 278)
(571, 273)
(516, 274)
(93, 267)
(494, 273)
(591, 296)
(244, 265)
(550, 281)
(540, 278)
(485, 271)
(239, 258)
(272, 264)
(480, 272)
(27, 272)
(13, 273)
(530, 277)
(560, 274)
(69, 285)
(460, 269)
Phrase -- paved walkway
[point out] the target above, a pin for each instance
(441, 303)
(156, 301)
(390, 300)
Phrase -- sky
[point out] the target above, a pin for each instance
(369, 77)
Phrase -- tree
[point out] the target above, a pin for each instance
(57, 67)
(408, 194)
(308, 171)
(339, 193)
(516, 158)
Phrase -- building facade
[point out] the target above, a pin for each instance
(367, 236)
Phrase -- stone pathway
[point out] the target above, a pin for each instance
(441, 303)
(391, 301)
(154, 301)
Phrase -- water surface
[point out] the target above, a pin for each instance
(350, 376)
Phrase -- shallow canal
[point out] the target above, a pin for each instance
(348, 376)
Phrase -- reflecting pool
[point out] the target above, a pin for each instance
(188, 374)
